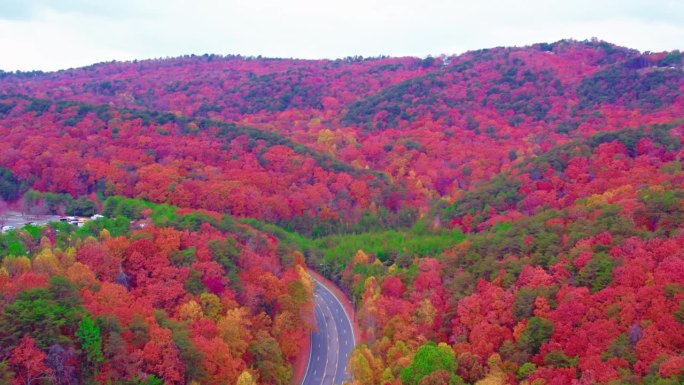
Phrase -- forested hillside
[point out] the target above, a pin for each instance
(571, 270)
(508, 215)
(150, 294)
(407, 117)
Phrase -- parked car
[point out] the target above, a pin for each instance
(6, 229)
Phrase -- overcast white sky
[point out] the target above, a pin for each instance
(57, 34)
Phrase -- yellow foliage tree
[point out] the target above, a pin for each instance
(400, 355)
(361, 258)
(327, 138)
(364, 367)
(67, 257)
(299, 299)
(80, 274)
(234, 329)
(425, 313)
(16, 266)
(190, 311)
(245, 378)
(211, 305)
(45, 243)
(105, 235)
(368, 312)
(45, 262)
(285, 329)
(360, 369)
(4, 278)
(496, 375)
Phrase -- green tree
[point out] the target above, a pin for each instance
(224, 252)
(559, 359)
(30, 200)
(535, 334)
(91, 341)
(36, 314)
(523, 306)
(5, 373)
(526, 369)
(123, 207)
(679, 313)
(620, 347)
(139, 331)
(189, 353)
(430, 358)
(152, 380)
(56, 203)
(269, 359)
(64, 292)
(194, 284)
(116, 226)
(82, 207)
(597, 273)
(9, 185)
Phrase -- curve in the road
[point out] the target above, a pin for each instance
(332, 343)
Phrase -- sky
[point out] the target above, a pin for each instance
(50, 35)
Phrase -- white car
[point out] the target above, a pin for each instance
(6, 229)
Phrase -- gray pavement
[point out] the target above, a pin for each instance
(19, 220)
(332, 343)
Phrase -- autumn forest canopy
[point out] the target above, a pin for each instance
(504, 216)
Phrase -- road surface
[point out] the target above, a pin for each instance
(332, 343)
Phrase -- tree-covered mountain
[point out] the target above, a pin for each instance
(507, 215)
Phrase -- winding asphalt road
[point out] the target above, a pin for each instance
(332, 343)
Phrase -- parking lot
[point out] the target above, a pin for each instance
(19, 220)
